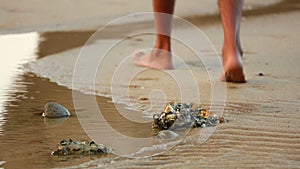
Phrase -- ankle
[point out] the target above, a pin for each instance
(230, 50)
(163, 42)
(231, 56)
(232, 46)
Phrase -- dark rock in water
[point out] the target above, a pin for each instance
(71, 147)
(182, 115)
(55, 110)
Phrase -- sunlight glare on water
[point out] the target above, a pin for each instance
(15, 50)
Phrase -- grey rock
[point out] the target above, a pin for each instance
(55, 110)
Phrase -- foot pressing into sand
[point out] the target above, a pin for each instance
(161, 58)
(157, 59)
(233, 67)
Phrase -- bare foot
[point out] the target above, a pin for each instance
(233, 67)
(157, 59)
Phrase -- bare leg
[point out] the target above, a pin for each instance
(238, 40)
(231, 11)
(160, 57)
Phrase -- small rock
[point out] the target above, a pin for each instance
(55, 110)
(143, 98)
(260, 74)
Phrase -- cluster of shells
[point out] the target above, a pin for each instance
(182, 115)
(71, 147)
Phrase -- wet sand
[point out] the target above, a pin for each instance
(263, 128)
(28, 139)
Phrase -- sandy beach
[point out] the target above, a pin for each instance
(68, 61)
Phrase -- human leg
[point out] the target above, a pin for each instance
(231, 11)
(160, 57)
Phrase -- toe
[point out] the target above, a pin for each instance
(222, 77)
(138, 55)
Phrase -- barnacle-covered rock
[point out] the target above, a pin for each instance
(71, 147)
(182, 115)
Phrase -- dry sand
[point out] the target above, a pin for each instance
(263, 114)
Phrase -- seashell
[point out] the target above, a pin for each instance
(222, 120)
(171, 117)
(204, 113)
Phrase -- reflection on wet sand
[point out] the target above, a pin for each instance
(35, 137)
(26, 132)
(26, 45)
(30, 134)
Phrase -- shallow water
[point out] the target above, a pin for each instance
(262, 132)
(27, 139)
(23, 129)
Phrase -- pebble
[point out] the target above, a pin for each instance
(260, 74)
(55, 110)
